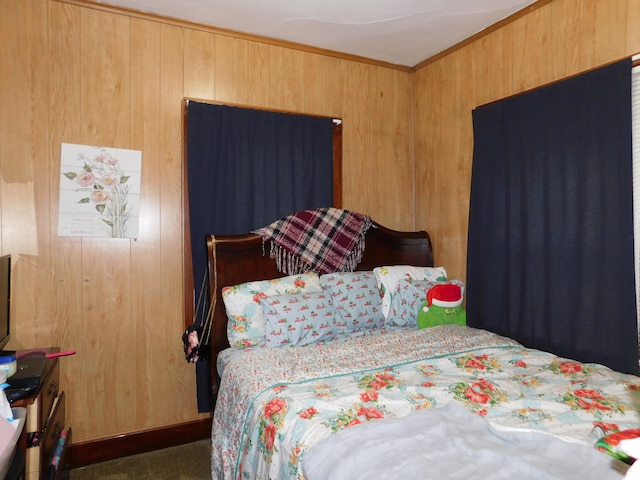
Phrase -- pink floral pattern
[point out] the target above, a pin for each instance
(271, 420)
(340, 385)
(478, 395)
(298, 320)
(246, 326)
(356, 300)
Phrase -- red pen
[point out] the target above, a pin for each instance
(61, 354)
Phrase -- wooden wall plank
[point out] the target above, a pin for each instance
(426, 128)
(632, 10)
(531, 49)
(567, 55)
(314, 79)
(391, 163)
(23, 125)
(24, 174)
(105, 79)
(231, 70)
(356, 195)
(105, 93)
(199, 64)
(610, 30)
(147, 303)
(64, 114)
(178, 393)
(286, 79)
(337, 86)
(259, 81)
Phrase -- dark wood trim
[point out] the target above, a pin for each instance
(337, 164)
(187, 263)
(96, 451)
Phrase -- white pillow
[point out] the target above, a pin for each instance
(388, 278)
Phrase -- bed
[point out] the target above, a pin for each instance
(391, 400)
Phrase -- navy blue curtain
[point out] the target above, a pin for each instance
(247, 168)
(550, 250)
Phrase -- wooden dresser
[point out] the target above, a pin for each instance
(46, 435)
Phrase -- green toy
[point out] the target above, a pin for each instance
(442, 307)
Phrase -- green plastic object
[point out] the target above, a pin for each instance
(436, 315)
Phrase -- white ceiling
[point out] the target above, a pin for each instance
(401, 32)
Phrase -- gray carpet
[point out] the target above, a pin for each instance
(184, 462)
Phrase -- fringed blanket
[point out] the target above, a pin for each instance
(323, 240)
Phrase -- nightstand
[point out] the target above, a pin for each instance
(46, 439)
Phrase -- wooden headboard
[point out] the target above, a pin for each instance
(235, 259)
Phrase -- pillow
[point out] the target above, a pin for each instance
(407, 301)
(388, 278)
(356, 301)
(298, 320)
(245, 326)
(443, 305)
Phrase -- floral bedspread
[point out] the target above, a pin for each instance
(276, 403)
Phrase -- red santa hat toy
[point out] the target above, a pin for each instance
(446, 295)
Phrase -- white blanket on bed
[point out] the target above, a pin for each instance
(452, 443)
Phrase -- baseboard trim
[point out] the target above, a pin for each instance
(95, 451)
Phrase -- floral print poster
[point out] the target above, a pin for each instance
(99, 191)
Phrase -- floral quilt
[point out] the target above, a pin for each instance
(275, 403)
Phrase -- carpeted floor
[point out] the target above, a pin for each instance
(184, 462)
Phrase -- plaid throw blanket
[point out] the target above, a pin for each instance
(323, 240)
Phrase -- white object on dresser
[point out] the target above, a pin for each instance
(9, 434)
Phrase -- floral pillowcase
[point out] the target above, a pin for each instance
(246, 324)
(298, 320)
(388, 278)
(356, 302)
(305, 309)
(407, 300)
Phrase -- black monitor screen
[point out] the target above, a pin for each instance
(5, 298)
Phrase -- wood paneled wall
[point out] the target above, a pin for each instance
(557, 40)
(76, 74)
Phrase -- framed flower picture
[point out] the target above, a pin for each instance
(99, 191)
